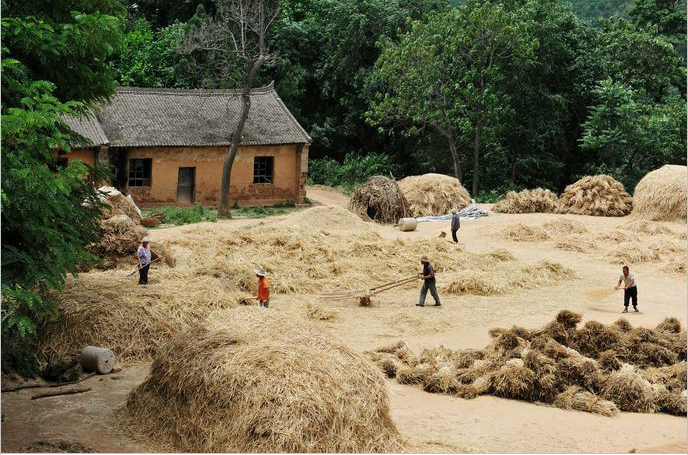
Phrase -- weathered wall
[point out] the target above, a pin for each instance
(87, 156)
(208, 162)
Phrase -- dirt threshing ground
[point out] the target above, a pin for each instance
(431, 422)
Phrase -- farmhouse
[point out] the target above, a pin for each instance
(167, 146)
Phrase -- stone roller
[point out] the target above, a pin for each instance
(407, 224)
(96, 359)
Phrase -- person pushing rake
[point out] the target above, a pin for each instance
(145, 256)
(429, 283)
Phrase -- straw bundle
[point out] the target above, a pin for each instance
(617, 236)
(576, 243)
(581, 400)
(528, 201)
(57, 445)
(661, 195)
(520, 232)
(599, 195)
(629, 391)
(596, 368)
(380, 200)
(433, 194)
(248, 380)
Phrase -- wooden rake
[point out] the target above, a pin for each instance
(364, 295)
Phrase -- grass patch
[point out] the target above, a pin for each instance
(178, 216)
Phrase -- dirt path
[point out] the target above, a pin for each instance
(323, 195)
(431, 422)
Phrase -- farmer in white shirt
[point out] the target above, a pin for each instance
(630, 288)
(144, 254)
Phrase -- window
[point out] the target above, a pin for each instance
(140, 171)
(262, 169)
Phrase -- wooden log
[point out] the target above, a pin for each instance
(60, 392)
(45, 386)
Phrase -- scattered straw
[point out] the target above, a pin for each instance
(581, 400)
(661, 195)
(564, 226)
(433, 194)
(520, 232)
(320, 313)
(528, 201)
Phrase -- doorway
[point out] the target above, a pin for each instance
(185, 185)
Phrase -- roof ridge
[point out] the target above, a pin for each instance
(291, 116)
(270, 88)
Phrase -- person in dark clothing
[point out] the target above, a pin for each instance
(630, 288)
(429, 284)
(455, 224)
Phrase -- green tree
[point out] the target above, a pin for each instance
(630, 137)
(449, 74)
(49, 213)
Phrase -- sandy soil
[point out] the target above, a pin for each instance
(432, 423)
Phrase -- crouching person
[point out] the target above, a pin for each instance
(263, 289)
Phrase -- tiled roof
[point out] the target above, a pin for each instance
(89, 128)
(139, 117)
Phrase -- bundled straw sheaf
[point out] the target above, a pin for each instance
(596, 368)
(248, 380)
(661, 195)
(216, 269)
(433, 194)
(379, 200)
(528, 201)
(599, 195)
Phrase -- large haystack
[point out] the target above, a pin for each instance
(528, 201)
(599, 195)
(120, 237)
(597, 368)
(380, 200)
(248, 380)
(433, 194)
(661, 195)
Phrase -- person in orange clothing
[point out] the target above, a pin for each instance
(263, 289)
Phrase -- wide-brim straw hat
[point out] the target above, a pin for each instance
(424, 258)
(260, 272)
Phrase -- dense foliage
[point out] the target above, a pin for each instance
(349, 69)
(352, 171)
(54, 63)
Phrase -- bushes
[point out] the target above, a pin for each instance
(353, 171)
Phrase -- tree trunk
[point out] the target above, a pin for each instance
(476, 153)
(224, 209)
(455, 157)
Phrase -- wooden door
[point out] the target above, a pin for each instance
(185, 185)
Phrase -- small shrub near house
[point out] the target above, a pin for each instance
(352, 172)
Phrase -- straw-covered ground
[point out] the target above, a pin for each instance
(494, 278)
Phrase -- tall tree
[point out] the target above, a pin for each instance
(449, 74)
(238, 34)
(54, 62)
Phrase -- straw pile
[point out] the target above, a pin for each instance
(528, 201)
(661, 195)
(119, 237)
(380, 200)
(118, 204)
(598, 195)
(216, 269)
(433, 194)
(248, 380)
(595, 368)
